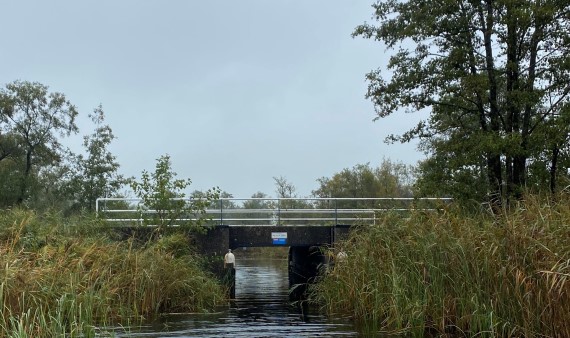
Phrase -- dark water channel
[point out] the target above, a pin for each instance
(261, 309)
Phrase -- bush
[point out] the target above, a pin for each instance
(449, 273)
(56, 283)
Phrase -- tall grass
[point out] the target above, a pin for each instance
(58, 279)
(451, 274)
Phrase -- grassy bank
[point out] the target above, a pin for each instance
(63, 278)
(449, 274)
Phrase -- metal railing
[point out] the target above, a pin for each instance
(271, 211)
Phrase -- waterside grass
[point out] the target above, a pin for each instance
(455, 275)
(61, 278)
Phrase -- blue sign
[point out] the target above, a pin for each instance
(279, 238)
(279, 241)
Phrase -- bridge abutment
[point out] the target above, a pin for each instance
(306, 259)
(213, 245)
(305, 263)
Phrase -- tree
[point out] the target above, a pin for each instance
(264, 208)
(259, 200)
(164, 201)
(492, 73)
(11, 156)
(362, 181)
(286, 190)
(218, 203)
(95, 175)
(35, 119)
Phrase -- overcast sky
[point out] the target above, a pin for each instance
(236, 92)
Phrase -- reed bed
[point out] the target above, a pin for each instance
(58, 279)
(457, 275)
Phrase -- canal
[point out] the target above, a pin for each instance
(261, 308)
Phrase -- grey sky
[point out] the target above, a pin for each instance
(237, 92)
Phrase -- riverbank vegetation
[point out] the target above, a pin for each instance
(67, 277)
(493, 77)
(452, 274)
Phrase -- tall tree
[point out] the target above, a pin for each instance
(95, 174)
(492, 73)
(36, 119)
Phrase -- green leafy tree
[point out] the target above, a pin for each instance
(11, 156)
(164, 201)
(362, 181)
(10, 177)
(96, 174)
(36, 120)
(259, 200)
(492, 73)
(218, 202)
(265, 208)
(550, 168)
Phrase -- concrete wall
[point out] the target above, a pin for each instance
(248, 236)
(214, 242)
(306, 264)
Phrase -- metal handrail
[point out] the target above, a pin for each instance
(277, 211)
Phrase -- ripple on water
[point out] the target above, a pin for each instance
(261, 309)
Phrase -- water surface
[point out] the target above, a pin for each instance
(261, 308)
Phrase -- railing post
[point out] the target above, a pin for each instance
(221, 212)
(279, 211)
(335, 212)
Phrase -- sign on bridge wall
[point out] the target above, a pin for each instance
(279, 238)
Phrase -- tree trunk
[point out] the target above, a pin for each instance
(25, 178)
(493, 158)
(512, 125)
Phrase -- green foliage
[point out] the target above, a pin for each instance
(362, 181)
(31, 122)
(438, 178)
(492, 74)
(57, 280)
(163, 201)
(285, 190)
(259, 200)
(10, 177)
(221, 202)
(95, 175)
(450, 274)
(34, 167)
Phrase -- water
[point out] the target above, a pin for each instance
(261, 308)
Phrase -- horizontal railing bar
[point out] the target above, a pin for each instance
(275, 212)
(245, 211)
(293, 199)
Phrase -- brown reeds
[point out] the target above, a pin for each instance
(57, 281)
(452, 274)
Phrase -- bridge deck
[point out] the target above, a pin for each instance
(269, 211)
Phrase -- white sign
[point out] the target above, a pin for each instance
(277, 235)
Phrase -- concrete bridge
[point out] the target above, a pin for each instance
(305, 225)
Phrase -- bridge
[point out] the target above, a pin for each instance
(305, 225)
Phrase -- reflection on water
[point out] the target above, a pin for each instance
(261, 308)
